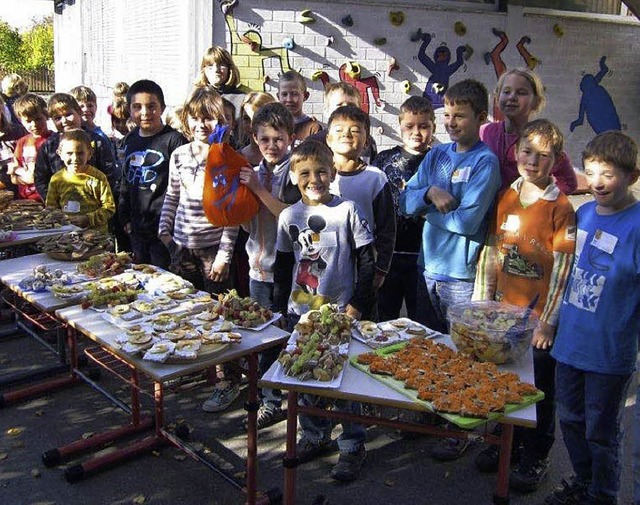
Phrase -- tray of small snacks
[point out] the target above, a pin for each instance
(45, 278)
(76, 245)
(106, 293)
(105, 264)
(317, 350)
(244, 312)
(468, 393)
(378, 335)
(28, 218)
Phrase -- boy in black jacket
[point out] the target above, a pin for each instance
(145, 172)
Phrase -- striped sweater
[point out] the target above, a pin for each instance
(182, 213)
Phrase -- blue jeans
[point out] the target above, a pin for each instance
(318, 429)
(445, 294)
(590, 407)
(401, 283)
(262, 292)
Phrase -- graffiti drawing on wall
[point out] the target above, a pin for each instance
(250, 56)
(596, 103)
(499, 66)
(441, 69)
(351, 73)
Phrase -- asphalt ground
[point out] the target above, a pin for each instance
(398, 469)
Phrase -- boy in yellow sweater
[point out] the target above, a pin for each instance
(82, 191)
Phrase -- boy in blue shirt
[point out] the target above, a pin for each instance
(597, 340)
(454, 188)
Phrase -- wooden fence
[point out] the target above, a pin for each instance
(39, 81)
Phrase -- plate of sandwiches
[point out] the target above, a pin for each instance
(377, 335)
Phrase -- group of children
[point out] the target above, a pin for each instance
(484, 217)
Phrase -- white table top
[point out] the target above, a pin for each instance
(13, 270)
(358, 386)
(30, 237)
(90, 323)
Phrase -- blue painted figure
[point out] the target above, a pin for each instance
(596, 103)
(440, 70)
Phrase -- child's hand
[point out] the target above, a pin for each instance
(166, 239)
(378, 280)
(249, 178)
(443, 201)
(219, 272)
(353, 312)
(543, 336)
(81, 220)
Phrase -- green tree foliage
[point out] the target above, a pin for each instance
(33, 49)
(11, 51)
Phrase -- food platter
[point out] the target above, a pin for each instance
(377, 335)
(400, 381)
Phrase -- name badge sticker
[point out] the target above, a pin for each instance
(72, 207)
(461, 175)
(604, 241)
(512, 223)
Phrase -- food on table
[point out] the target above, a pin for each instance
(321, 345)
(389, 332)
(67, 291)
(105, 264)
(6, 197)
(139, 337)
(77, 244)
(168, 283)
(244, 312)
(104, 295)
(450, 381)
(145, 307)
(43, 277)
(187, 349)
(21, 217)
(160, 351)
(221, 337)
(144, 268)
(491, 331)
(218, 325)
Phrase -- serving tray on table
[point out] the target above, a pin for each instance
(464, 422)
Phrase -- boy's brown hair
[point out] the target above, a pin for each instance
(120, 89)
(30, 106)
(293, 76)
(417, 105)
(84, 94)
(352, 113)
(62, 102)
(77, 135)
(549, 133)
(346, 88)
(615, 148)
(274, 115)
(470, 92)
(312, 150)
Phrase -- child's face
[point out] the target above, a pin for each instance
(347, 137)
(146, 112)
(88, 112)
(337, 99)
(516, 99)
(74, 154)
(313, 180)
(535, 159)
(273, 144)
(609, 185)
(67, 119)
(292, 97)
(229, 117)
(217, 74)
(36, 126)
(416, 131)
(463, 125)
(201, 127)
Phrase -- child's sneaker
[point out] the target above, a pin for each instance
(572, 492)
(449, 449)
(267, 416)
(223, 395)
(307, 450)
(348, 466)
(529, 474)
(487, 460)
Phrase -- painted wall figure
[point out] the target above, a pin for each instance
(499, 66)
(249, 55)
(441, 70)
(596, 103)
(350, 73)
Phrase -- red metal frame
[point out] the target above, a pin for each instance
(504, 441)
